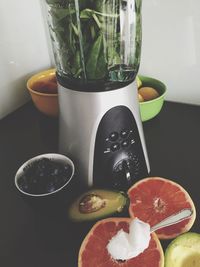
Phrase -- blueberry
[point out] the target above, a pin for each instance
(24, 187)
(67, 167)
(55, 172)
(21, 180)
(50, 188)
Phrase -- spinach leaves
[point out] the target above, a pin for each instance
(86, 37)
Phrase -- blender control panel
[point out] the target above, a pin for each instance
(118, 157)
(119, 140)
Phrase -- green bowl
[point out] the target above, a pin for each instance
(149, 109)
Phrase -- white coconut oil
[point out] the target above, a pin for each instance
(124, 246)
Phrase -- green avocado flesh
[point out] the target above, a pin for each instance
(184, 251)
(96, 204)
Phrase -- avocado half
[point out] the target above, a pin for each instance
(184, 251)
(96, 204)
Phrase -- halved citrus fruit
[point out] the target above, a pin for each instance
(93, 251)
(153, 199)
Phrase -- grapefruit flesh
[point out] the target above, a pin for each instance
(93, 251)
(154, 199)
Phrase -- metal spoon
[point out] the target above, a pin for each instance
(173, 219)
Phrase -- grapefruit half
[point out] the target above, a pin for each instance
(93, 251)
(153, 199)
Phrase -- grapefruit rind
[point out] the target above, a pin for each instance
(117, 221)
(183, 251)
(164, 232)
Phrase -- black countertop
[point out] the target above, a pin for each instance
(31, 239)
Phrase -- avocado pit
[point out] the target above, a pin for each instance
(91, 203)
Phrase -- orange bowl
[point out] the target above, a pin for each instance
(45, 100)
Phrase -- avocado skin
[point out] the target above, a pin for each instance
(185, 247)
(116, 204)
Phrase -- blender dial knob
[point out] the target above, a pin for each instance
(113, 136)
(115, 147)
(124, 133)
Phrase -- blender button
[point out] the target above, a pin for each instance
(114, 136)
(115, 147)
(107, 151)
(124, 133)
(125, 143)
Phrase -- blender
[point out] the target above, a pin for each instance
(97, 47)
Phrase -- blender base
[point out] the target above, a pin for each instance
(89, 123)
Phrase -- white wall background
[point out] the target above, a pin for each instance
(170, 50)
(23, 50)
(171, 46)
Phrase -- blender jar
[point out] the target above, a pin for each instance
(96, 40)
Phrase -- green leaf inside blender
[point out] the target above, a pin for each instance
(86, 39)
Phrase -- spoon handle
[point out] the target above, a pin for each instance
(173, 219)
